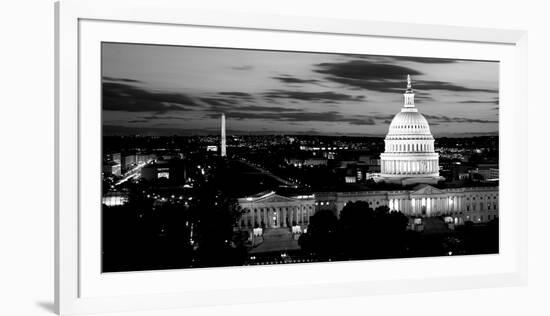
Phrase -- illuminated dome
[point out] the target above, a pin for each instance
(409, 155)
(409, 123)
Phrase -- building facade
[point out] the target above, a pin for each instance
(269, 210)
(476, 204)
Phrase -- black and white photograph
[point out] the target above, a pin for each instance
(220, 157)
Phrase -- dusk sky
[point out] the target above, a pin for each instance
(167, 90)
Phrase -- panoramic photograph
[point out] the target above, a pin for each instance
(219, 157)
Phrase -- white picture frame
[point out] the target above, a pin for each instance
(80, 289)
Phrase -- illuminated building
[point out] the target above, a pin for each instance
(477, 204)
(173, 170)
(130, 160)
(271, 210)
(409, 155)
(114, 198)
(112, 168)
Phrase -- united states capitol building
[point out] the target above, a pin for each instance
(409, 161)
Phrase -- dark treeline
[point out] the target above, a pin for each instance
(365, 233)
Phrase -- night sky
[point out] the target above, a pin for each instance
(168, 90)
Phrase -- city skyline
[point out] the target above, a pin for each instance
(171, 90)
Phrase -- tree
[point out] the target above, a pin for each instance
(368, 233)
(321, 237)
(214, 215)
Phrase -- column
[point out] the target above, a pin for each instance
(284, 217)
(455, 203)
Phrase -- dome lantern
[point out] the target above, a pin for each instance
(409, 94)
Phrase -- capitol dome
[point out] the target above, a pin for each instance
(409, 156)
(407, 123)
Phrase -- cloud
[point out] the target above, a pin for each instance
(323, 96)
(244, 67)
(120, 79)
(241, 95)
(384, 77)
(365, 70)
(138, 121)
(254, 108)
(292, 116)
(119, 96)
(442, 85)
(495, 101)
(154, 131)
(163, 117)
(447, 119)
(219, 102)
(366, 74)
(290, 79)
(424, 60)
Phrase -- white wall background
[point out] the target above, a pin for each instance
(26, 157)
